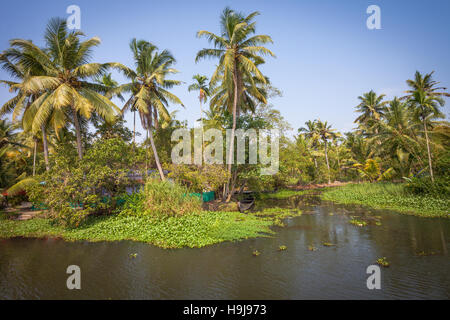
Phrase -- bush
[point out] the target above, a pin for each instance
(199, 179)
(424, 186)
(73, 188)
(162, 199)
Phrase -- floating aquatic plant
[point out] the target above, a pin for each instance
(357, 222)
(328, 244)
(383, 262)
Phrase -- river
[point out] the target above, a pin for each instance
(416, 248)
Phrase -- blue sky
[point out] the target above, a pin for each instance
(326, 56)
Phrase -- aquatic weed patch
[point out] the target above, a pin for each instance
(192, 230)
(389, 196)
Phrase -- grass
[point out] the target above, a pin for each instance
(389, 196)
(191, 230)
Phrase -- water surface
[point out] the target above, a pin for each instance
(417, 249)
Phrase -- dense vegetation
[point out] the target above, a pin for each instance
(64, 141)
(390, 196)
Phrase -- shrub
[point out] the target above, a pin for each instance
(199, 179)
(73, 188)
(424, 186)
(162, 199)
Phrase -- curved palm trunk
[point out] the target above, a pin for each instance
(44, 142)
(328, 165)
(34, 157)
(76, 123)
(428, 150)
(155, 153)
(134, 128)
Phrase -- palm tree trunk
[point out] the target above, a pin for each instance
(201, 121)
(76, 123)
(134, 128)
(34, 157)
(44, 142)
(233, 128)
(428, 150)
(155, 153)
(328, 165)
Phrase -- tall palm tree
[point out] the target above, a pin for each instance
(310, 132)
(148, 87)
(64, 90)
(426, 84)
(425, 107)
(397, 132)
(326, 133)
(203, 89)
(239, 52)
(371, 110)
(20, 104)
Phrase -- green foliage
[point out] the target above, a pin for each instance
(424, 186)
(372, 170)
(73, 188)
(199, 178)
(389, 196)
(162, 198)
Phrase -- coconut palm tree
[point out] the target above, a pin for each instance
(425, 106)
(310, 132)
(326, 133)
(203, 89)
(426, 84)
(239, 52)
(20, 104)
(397, 133)
(371, 110)
(148, 88)
(64, 89)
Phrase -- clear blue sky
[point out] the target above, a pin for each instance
(326, 56)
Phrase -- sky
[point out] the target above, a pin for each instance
(325, 55)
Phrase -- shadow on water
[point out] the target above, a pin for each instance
(326, 257)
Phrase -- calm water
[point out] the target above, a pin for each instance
(35, 269)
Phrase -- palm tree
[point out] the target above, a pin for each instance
(310, 132)
(397, 133)
(148, 87)
(203, 89)
(239, 52)
(425, 106)
(326, 133)
(426, 84)
(20, 104)
(371, 110)
(64, 89)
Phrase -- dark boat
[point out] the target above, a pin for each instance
(247, 202)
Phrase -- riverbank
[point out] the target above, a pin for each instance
(191, 230)
(389, 196)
